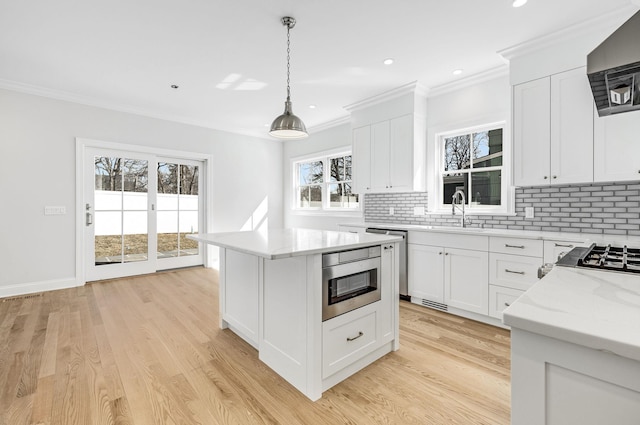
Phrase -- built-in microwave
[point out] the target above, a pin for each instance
(350, 279)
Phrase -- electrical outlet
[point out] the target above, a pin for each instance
(392, 211)
(418, 210)
(55, 210)
(528, 212)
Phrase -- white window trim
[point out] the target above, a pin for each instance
(321, 211)
(507, 191)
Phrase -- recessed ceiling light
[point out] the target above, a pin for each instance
(457, 72)
(388, 61)
(312, 106)
(518, 3)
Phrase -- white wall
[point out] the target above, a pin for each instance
(331, 138)
(482, 103)
(37, 148)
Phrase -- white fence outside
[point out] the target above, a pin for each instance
(174, 213)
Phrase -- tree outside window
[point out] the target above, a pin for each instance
(472, 162)
(325, 184)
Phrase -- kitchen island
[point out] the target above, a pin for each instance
(575, 349)
(271, 295)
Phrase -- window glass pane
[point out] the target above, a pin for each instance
(457, 152)
(341, 196)
(108, 237)
(136, 240)
(135, 173)
(108, 173)
(486, 188)
(487, 148)
(453, 182)
(310, 172)
(167, 178)
(188, 180)
(336, 169)
(310, 197)
(347, 168)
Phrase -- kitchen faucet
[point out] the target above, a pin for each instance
(459, 194)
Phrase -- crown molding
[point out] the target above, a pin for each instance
(412, 87)
(330, 124)
(609, 20)
(480, 77)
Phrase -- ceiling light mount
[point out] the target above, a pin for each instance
(288, 125)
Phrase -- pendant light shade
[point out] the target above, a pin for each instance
(288, 125)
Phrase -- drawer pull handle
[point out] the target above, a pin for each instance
(563, 245)
(514, 246)
(355, 337)
(507, 304)
(513, 271)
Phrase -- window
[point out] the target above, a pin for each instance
(324, 183)
(472, 161)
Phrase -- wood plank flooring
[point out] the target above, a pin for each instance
(147, 351)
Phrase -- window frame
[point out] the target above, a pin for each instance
(506, 202)
(325, 208)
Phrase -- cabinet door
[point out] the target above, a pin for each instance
(380, 156)
(389, 279)
(616, 147)
(361, 159)
(531, 122)
(401, 154)
(466, 280)
(426, 272)
(571, 128)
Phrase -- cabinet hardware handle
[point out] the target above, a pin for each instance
(513, 271)
(545, 177)
(563, 245)
(507, 304)
(555, 177)
(440, 253)
(355, 337)
(446, 253)
(514, 246)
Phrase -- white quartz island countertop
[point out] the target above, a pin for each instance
(273, 244)
(593, 308)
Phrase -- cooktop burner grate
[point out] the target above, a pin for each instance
(619, 258)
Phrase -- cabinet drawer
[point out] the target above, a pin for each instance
(516, 246)
(347, 338)
(449, 240)
(552, 249)
(501, 298)
(513, 271)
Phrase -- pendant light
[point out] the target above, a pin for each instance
(288, 125)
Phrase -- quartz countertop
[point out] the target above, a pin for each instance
(282, 243)
(593, 308)
(525, 234)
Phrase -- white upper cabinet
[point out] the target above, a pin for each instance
(617, 147)
(389, 142)
(571, 128)
(553, 130)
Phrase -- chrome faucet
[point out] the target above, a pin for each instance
(459, 194)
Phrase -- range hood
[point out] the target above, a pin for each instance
(614, 70)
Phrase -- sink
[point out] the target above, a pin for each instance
(455, 229)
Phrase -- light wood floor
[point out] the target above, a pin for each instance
(147, 350)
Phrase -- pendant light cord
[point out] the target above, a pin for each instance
(288, 59)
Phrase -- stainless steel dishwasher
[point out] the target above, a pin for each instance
(404, 287)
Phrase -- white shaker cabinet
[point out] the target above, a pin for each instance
(617, 147)
(553, 130)
(466, 282)
(426, 272)
(387, 157)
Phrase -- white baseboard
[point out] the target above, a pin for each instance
(33, 287)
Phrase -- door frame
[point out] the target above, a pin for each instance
(82, 144)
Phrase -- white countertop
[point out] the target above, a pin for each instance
(594, 308)
(526, 234)
(282, 243)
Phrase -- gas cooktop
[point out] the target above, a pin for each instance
(604, 257)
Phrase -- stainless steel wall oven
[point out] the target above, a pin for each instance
(350, 279)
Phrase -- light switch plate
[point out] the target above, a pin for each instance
(528, 212)
(55, 210)
(418, 210)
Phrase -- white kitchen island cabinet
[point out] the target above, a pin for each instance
(575, 349)
(271, 296)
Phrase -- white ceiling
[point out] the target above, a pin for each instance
(125, 54)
